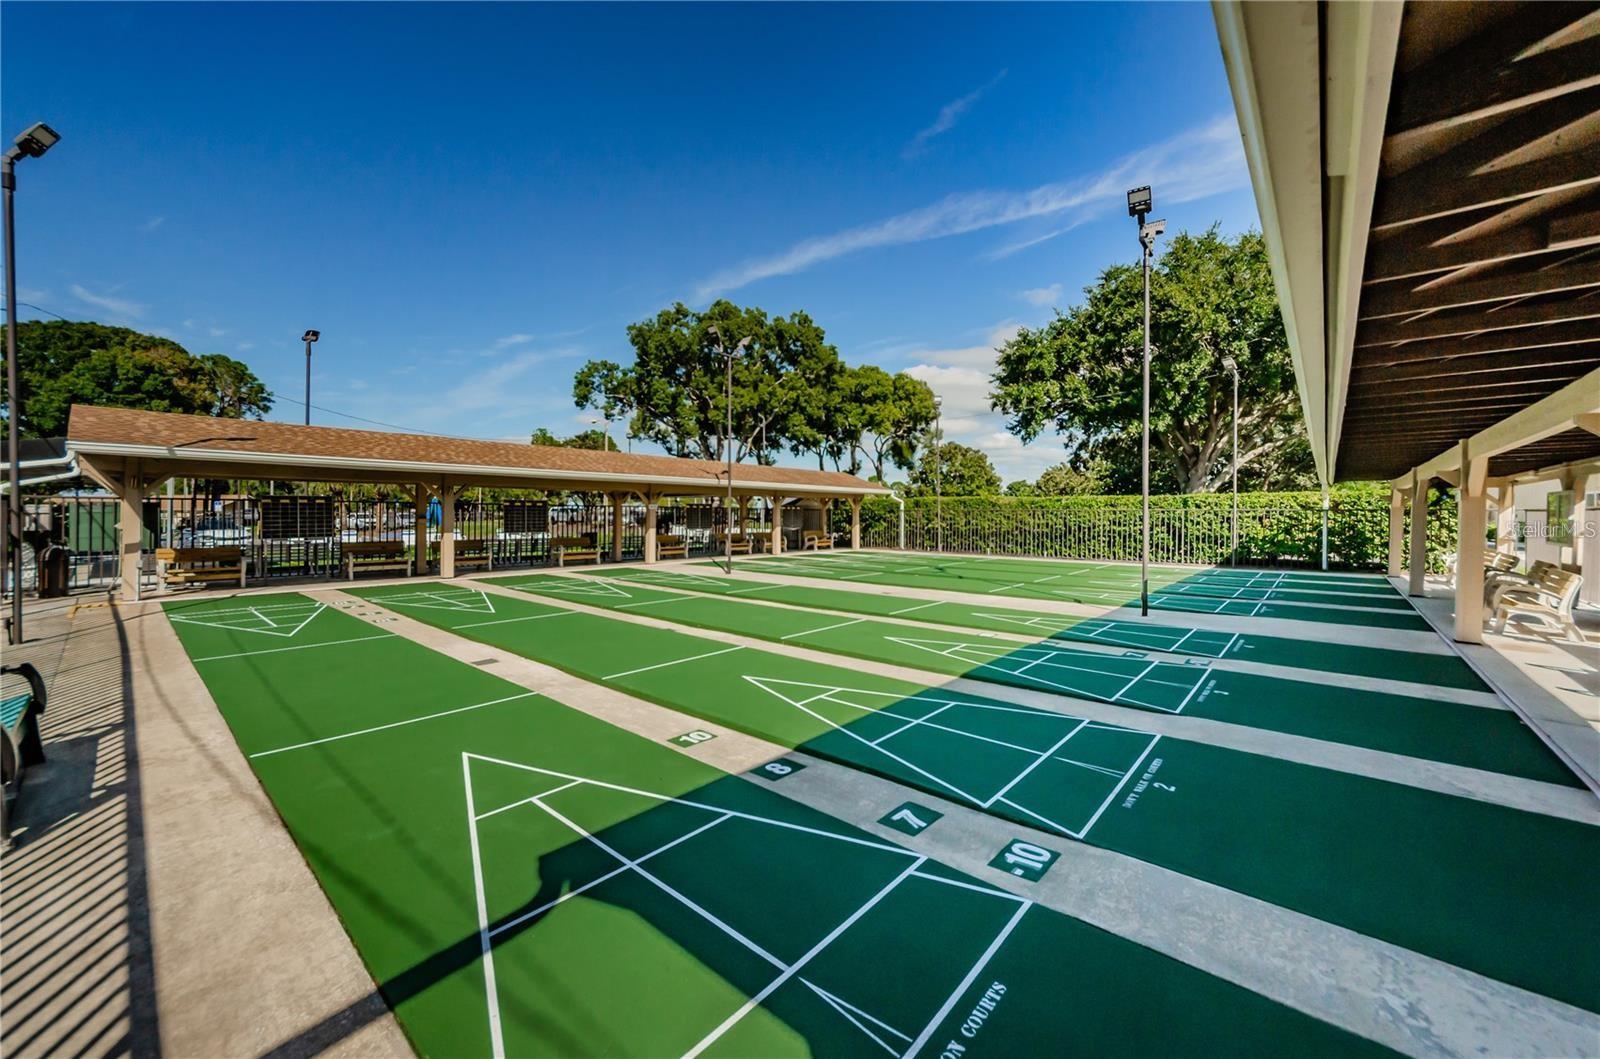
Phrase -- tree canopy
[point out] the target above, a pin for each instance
(1080, 373)
(593, 438)
(791, 391)
(957, 470)
(63, 362)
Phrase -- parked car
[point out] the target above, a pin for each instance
(360, 520)
(215, 532)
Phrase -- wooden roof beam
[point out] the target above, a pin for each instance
(1393, 331)
(1393, 299)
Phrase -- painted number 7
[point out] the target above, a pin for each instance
(910, 819)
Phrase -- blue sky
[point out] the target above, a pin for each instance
(470, 201)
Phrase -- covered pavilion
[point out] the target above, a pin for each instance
(132, 452)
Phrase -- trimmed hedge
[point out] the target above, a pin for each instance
(1274, 528)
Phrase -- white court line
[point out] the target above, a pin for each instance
(794, 968)
(881, 846)
(919, 606)
(674, 662)
(913, 722)
(525, 801)
(296, 647)
(653, 602)
(850, 1011)
(486, 948)
(825, 628)
(966, 983)
(1118, 788)
(508, 621)
(1041, 759)
(392, 724)
(592, 883)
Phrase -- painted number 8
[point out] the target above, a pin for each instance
(777, 768)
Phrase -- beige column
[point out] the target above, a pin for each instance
(855, 522)
(419, 529)
(650, 527)
(1419, 536)
(775, 531)
(617, 500)
(1505, 518)
(744, 514)
(130, 523)
(1397, 530)
(1472, 500)
(447, 530)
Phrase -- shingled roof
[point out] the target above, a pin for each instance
(162, 436)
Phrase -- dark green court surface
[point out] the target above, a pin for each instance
(1111, 585)
(1418, 868)
(1321, 653)
(524, 880)
(1475, 736)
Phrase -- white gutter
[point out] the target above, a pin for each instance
(452, 470)
(71, 472)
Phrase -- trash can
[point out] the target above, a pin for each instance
(52, 575)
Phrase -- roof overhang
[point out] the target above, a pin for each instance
(1430, 174)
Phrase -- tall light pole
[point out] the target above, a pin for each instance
(308, 338)
(1233, 457)
(595, 421)
(1139, 203)
(938, 474)
(34, 141)
(727, 443)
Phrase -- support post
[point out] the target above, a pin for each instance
(447, 530)
(130, 525)
(1419, 536)
(775, 531)
(855, 523)
(744, 514)
(1473, 507)
(1397, 532)
(1324, 527)
(419, 530)
(617, 500)
(1505, 518)
(650, 527)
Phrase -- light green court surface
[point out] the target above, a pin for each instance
(1353, 602)
(522, 879)
(1320, 653)
(1413, 725)
(1411, 866)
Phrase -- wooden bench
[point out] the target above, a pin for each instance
(1549, 598)
(20, 745)
(575, 549)
(742, 545)
(672, 547)
(375, 555)
(472, 551)
(189, 566)
(816, 540)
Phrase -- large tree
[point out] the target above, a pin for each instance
(877, 418)
(674, 391)
(1079, 374)
(65, 362)
(954, 470)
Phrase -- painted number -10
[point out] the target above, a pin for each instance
(1024, 860)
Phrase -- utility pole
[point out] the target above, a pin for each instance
(1139, 203)
(308, 338)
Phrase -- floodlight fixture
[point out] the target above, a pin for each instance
(311, 336)
(1231, 366)
(35, 141)
(1140, 202)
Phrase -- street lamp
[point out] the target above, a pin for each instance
(1232, 367)
(1139, 203)
(595, 421)
(727, 442)
(308, 338)
(938, 468)
(34, 141)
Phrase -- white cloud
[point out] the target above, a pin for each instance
(1203, 161)
(1042, 296)
(512, 340)
(152, 224)
(949, 114)
(960, 376)
(111, 304)
(216, 332)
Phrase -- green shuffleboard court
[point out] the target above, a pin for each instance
(522, 879)
(1412, 866)
(1414, 725)
(1322, 654)
(1088, 584)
